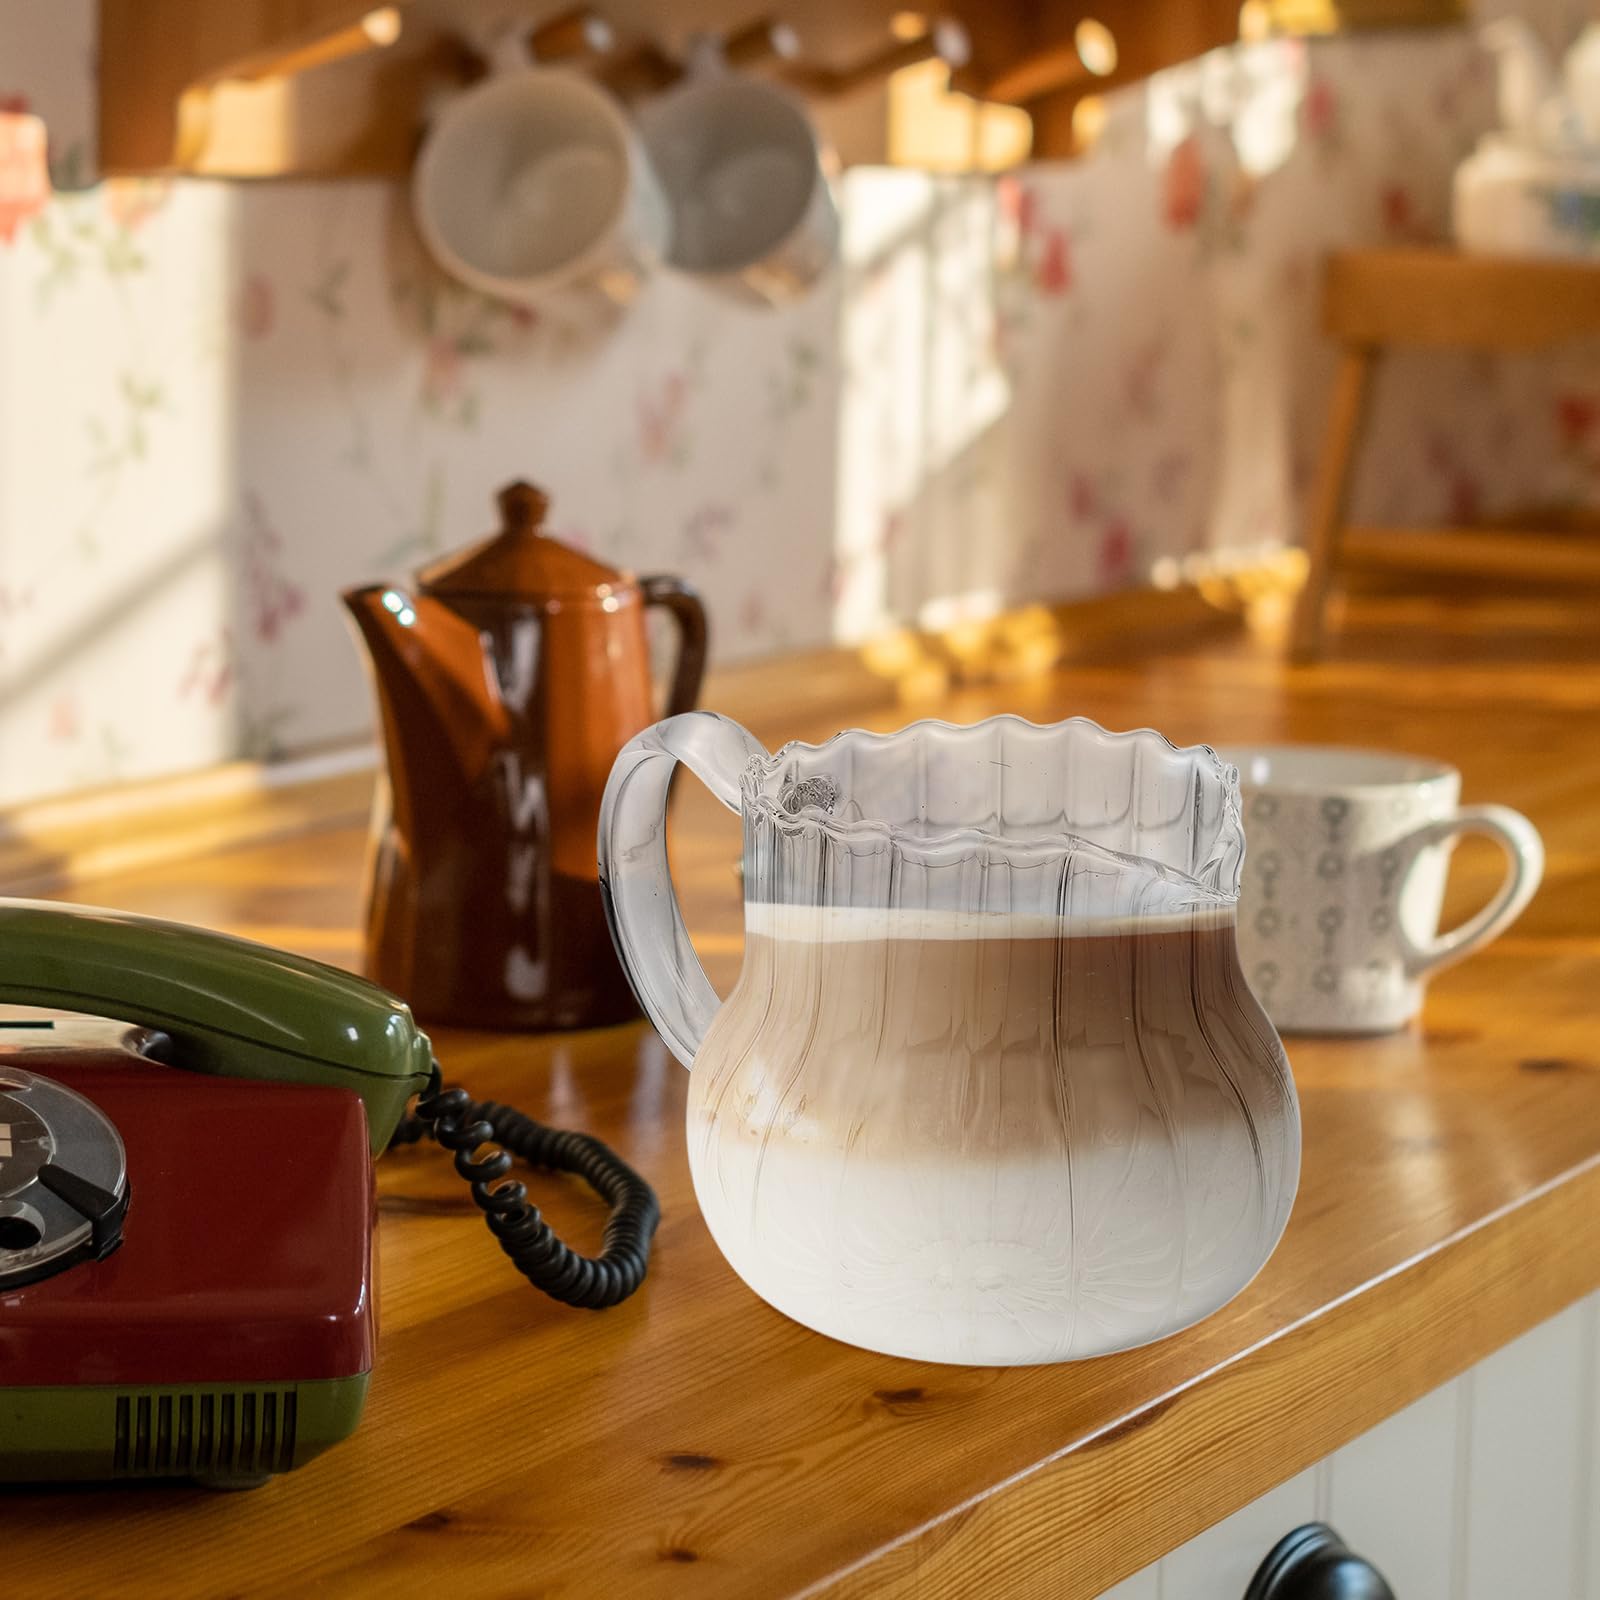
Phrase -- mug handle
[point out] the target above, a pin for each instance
(635, 881)
(690, 616)
(1525, 862)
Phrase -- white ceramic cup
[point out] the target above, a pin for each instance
(533, 183)
(752, 213)
(1346, 854)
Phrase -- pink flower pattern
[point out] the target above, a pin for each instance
(275, 598)
(442, 373)
(1142, 378)
(1019, 203)
(256, 308)
(24, 177)
(1169, 473)
(1053, 276)
(753, 613)
(661, 437)
(1402, 219)
(1183, 185)
(1319, 111)
(131, 202)
(66, 719)
(209, 675)
(1082, 498)
(705, 531)
(1115, 554)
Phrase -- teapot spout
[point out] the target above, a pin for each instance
(437, 696)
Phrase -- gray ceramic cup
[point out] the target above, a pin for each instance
(1346, 855)
(744, 173)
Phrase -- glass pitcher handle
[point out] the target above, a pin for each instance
(684, 604)
(635, 884)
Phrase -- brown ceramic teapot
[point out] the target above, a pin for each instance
(506, 686)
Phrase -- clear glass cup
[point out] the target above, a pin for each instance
(991, 1087)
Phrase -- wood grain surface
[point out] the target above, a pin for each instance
(1460, 302)
(695, 1443)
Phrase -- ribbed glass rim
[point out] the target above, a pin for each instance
(1218, 875)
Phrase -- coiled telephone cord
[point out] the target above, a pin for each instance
(453, 1119)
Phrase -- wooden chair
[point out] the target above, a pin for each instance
(1374, 300)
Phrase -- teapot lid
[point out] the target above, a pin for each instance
(522, 559)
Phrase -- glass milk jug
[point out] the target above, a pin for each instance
(991, 1087)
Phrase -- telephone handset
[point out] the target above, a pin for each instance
(245, 1010)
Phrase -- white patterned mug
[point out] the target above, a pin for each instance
(1347, 852)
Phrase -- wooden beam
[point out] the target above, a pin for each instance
(1044, 71)
(1150, 35)
(1347, 16)
(946, 40)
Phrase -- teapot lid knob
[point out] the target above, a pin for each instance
(522, 507)
(522, 559)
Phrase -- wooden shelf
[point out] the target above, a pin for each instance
(257, 88)
(263, 88)
(269, 88)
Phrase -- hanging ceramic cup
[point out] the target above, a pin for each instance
(533, 183)
(744, 174)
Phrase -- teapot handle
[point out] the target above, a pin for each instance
(690, 616)
(635, 884)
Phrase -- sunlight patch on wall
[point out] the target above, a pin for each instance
(114, 547)
(922, 398)
(1250, 94)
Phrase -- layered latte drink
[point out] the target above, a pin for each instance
(987, 1138)
(991, 1087)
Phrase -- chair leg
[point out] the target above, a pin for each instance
(1329, 496)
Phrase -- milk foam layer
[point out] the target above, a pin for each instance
(864, 924)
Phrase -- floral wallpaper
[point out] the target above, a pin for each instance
(220, 404)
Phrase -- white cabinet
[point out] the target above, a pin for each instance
(1526, 1466)
(1221, 1560)
(1144, 1585)
(1486, 1489)
(1392, 1495)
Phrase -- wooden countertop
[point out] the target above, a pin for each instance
(695, 1443)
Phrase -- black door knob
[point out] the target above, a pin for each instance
(1314, 1563)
